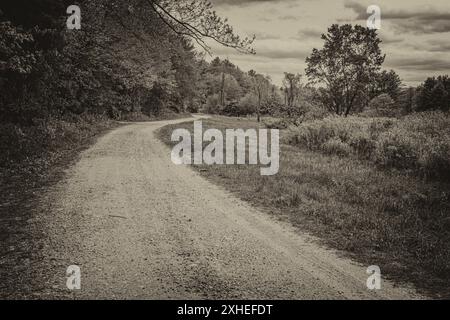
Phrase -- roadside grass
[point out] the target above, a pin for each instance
(418, 142)
(382, 217)
(163, 115)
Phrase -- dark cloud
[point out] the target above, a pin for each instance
(425, 15)
(418, 64)
(244, 2)
(309, 34)
(266, 36)
(283, 54)
(420, 15)
(390, 39)
(418, 26)
(439, 46)
(419, 21)
(267, 54)
(359, 9)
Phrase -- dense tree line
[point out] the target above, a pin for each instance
(128, 57)
(231, 91)
(141, 57)
(434, 94)
(344, 77)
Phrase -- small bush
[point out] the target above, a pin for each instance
(212, 104)
(363, 144)
(231, 109)
(276, 123)
(397, 149)
(435, 161)
(336, 146)
(247, 104)
(382, 106)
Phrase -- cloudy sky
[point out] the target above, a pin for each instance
(415, 33)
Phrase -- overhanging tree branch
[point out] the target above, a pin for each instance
(208, 25)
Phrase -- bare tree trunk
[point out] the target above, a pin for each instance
(259, 106)
(286, 97)
(222, 91)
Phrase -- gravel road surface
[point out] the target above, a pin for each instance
(140, 227)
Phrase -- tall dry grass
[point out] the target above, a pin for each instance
(419, 142)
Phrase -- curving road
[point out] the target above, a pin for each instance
(140, 227)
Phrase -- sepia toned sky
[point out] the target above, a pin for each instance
(415, 33)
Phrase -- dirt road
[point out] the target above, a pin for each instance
(140, 227)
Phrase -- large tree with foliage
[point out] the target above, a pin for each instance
(385, 82)
(346, 65)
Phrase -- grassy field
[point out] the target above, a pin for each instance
(377, 215)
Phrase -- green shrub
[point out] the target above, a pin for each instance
(212, 104)
(435, 161)
(18, 143)
(397, 149)
(337, 147)
(363, 144)
(355, 131)
(382, 106)
(247, 104)
(276, 123)
(419, 142)
(380, 125)
(231, 109)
